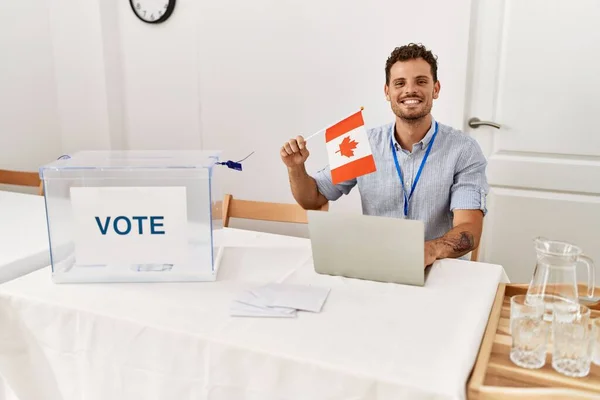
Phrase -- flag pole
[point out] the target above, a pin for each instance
(324, 129)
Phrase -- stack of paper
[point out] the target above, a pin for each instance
(279, 300)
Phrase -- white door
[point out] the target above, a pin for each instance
(535, 71)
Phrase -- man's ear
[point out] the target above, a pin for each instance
(386, 90)
(436, 90)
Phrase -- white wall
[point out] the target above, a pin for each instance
(29, 124)
(232, 75)
(160, 79)
(113, 74)
(59, 91)
(80, 74)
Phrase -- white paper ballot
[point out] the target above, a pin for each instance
(299, 297)
(245, 310)
(279, 300)
(251, 299)
(247, 304)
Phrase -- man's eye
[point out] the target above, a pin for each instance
(422, 82)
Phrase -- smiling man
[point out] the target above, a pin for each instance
(425, 170)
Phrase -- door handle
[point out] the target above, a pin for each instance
(476, 123)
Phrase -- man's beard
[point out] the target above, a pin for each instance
(411, 118)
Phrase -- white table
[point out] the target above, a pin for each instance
(177, 341)
(23, 235)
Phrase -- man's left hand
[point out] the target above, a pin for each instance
(430, 253)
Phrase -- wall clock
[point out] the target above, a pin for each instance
(152, 11)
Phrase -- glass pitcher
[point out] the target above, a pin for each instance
(554, 277)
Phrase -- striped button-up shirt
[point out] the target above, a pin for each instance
(453, 177)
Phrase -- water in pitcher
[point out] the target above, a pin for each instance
(554, 280)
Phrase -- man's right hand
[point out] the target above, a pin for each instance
(294, 152)
(304, 187)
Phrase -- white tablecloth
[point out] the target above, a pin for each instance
(23, 235)
(177, 341)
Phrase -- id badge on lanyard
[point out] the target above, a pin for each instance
(414, 185)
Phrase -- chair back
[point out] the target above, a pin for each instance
(263, 211)
(22, 178)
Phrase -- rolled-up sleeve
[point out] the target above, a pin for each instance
(328, 189)
(470, 188)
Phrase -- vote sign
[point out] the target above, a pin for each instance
(130, 225)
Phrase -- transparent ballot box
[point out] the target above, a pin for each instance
(133, 216)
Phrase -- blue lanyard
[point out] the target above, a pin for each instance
(414, 185)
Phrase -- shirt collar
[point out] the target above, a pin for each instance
(427, 138)
(424, 142)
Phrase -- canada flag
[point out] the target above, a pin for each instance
(348, 149)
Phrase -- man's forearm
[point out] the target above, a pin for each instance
(304, 189)
(457, 242)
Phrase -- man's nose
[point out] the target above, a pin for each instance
(410, 89)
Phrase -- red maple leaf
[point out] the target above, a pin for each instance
(347, 147)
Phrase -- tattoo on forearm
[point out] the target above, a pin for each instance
(460, 244)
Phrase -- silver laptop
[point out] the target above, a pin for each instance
(368, 247)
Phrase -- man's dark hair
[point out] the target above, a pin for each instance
(411, 51)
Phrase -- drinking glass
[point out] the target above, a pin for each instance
(572, 340)
(596, 341)
(529, 333)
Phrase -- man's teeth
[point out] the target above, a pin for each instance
(411, 101)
